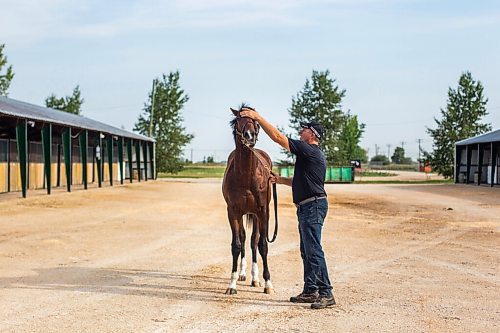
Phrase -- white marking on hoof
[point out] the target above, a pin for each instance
(255, 275)
(268, 287)
(232, 284)
(243, 270)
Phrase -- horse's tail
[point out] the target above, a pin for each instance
(250, 220)
(275, 201)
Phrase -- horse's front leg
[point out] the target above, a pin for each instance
(268, 286)
(243, 264)
(254, 244)
(236, 226)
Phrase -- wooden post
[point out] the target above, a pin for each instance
(47, 155)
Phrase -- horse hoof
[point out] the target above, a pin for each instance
(231, 291)
(242, 278)
(255, 283)
(268, 291)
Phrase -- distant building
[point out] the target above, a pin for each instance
(477, 160)
(45, 148)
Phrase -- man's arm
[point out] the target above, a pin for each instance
(270, 130)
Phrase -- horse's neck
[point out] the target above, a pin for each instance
(244, 160)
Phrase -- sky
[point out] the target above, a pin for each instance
(395, 59)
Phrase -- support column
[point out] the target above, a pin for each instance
(469, 157)
(98, 157)
(129, 154)
(66, 139)
(480, 153)
(8, 165)
(58, 165)
(84, 141)
(47, 155)
(493, 164)
(120, 158)
(109, 149)
(152, 159)
(145, 155)
(138, 159)
(458, 154)
(22, 150)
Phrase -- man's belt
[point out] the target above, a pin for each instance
(309, 200)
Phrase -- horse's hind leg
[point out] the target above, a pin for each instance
(254, 243)
(268, 286)
(243, 264)
(235, 250)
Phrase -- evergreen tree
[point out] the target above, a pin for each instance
(350, 136)
(71, 104)
(6, 78)
(465, 108)
(320, 100)
(162, 120)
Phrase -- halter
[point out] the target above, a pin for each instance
(241, 134)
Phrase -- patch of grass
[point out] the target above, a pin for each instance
(197, 171)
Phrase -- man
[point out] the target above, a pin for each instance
(310, 198)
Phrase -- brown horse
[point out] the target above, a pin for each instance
(247, 192)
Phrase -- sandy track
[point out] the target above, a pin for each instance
(155, 257)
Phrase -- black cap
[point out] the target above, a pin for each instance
(315, 127)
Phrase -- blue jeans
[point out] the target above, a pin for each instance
(311, 217)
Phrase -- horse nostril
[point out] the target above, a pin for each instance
(248, 135)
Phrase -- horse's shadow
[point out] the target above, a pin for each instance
(136, 282)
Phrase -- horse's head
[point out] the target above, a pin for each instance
(245, 129)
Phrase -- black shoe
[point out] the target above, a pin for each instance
(305, 298)
(323, 302)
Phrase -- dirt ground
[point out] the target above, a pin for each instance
(155, 257)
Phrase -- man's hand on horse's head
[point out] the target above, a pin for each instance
(250, 113)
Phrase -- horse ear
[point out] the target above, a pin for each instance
(235, 112)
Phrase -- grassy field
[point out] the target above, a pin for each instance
(217, 171)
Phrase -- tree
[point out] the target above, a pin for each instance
(399, 156)
(320, 100)
(162, 120)
(465, 108)
(380, 159)
(350, 136)
(71, 104)
(8, 76)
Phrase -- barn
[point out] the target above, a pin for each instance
(42, 148)
(477, 160)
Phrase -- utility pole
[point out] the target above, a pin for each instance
(403, 144)
(152, 109)
(376, 149)
(389, 151)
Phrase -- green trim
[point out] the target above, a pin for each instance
(138, 159)
(47, 155)
(84, 140)
(120, 158)
(109, 149)
(66, 139)
(22, 150)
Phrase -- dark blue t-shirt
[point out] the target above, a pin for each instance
(310, 169)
